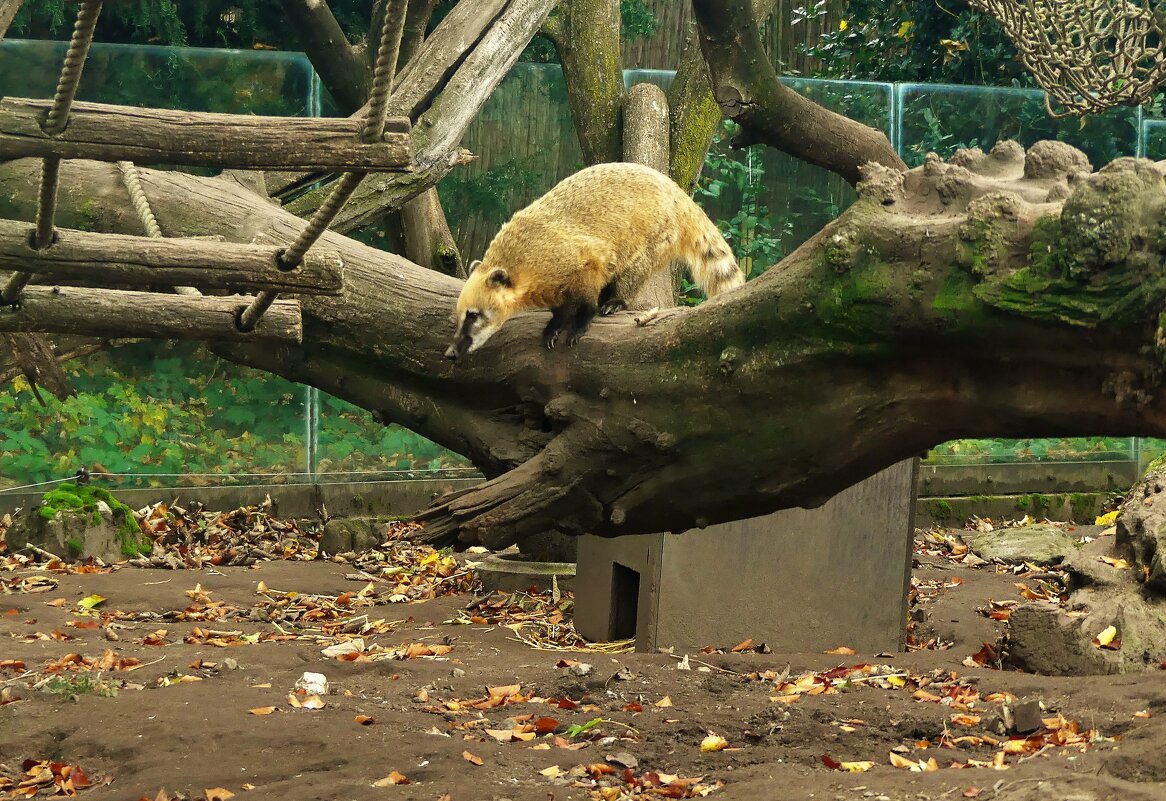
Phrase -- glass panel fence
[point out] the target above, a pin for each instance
(160, 413)
(172, 413)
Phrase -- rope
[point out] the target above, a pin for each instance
(54, 125)
(133, 184)
(372, 131)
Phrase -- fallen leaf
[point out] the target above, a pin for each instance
(1106, 637)
(1120, 564)
(218, 794)
(713, 742)
(262, 710)
(664, 702)
(1144, 713)
(393, 778)
(830, 762)
(551, 772)
(842, 650)
(471, 758)
(91, 601)
(365, 720)
(856, 767)
(1107, 519)
(746, 645)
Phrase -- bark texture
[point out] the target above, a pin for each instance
(586, 36)
(338, 63)
(747, 90)
(1001, 294)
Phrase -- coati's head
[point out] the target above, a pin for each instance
(487, 300)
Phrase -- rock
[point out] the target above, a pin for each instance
(1141, 529)
(1041, 543)
(79, 523)
(342, 534)
(1046, 639)
(1086, 568)
(581, 668)
(1026, 717)
(313, 683)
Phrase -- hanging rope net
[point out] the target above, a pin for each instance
(1088, 55)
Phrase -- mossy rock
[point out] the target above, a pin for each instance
(1042, 544)
(81, 522)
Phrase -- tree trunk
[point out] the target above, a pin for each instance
(990, 296)
(586, 36)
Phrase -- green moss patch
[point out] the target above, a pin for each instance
(82, 500)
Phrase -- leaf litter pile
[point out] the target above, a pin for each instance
(406, 678)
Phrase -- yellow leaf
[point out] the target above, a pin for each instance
(1120, 564)
(471, 758)
(1144, 713)
(260, 588)
(1107, 519)
(714, 742)
(902, 32)
(90, 601)
(1106, 636)
(218, 794)
(857, 767)
(551, 772)
(262, 710)
(665, 701)
(902, 762)
(896, 681)
(843, 24)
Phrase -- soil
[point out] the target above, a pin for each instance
(189, 736)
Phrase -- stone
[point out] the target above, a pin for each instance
(342, 534)
(1026, 717)
(511, 572)
(1045, 639)
(1141, 529)
(1041, 544)
(1086, 568)
(79, 523)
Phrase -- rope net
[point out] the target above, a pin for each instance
(1088, 55)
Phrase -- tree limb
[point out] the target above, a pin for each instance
(339, 64)
(586, 36)
(748, 91)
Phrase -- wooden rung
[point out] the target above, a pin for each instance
(206, 264)
(113, 313)
(231, 141)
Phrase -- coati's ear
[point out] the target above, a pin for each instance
(498, 277)
(475, 264)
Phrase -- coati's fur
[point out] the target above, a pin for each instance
(588, 245)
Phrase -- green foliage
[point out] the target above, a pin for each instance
(77, 684)
(171, 410)
(1003, 451)
(910, 41)
(734, 185)
(492, 195)
(198, 23)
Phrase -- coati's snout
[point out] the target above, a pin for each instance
(482, 308)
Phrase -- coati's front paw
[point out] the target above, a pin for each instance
(611, 307)
(574, 338)
(550, 337)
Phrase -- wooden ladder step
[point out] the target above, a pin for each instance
(206, 264)
(114, 313)
(146, 136)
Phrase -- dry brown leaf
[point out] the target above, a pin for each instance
(664, 702)
(393, 778)
(218, 794)
(471, 758)
(842, 650)
(262, 710)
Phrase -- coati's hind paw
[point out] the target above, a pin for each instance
(611, 307)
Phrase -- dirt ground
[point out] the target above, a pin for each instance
(181, 684)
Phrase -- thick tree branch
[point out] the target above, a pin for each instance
(586, 36)
(439, 129)
(747, 90)
(8, 9)
(992, 296)
(693, 111)
(339, 64)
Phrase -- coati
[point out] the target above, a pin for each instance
(588, 245)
